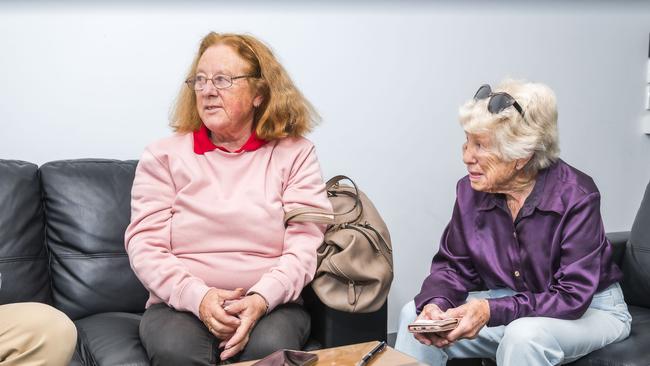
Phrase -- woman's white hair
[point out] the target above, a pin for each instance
(516, 137)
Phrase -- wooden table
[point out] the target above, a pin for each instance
(351, 354)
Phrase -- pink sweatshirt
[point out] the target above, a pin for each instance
(216, 220)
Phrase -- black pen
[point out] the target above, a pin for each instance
(373, 352)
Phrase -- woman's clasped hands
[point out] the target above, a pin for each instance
(231, 316)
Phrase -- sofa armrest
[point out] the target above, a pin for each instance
(619, 240)
(618, 237)
(332, 328)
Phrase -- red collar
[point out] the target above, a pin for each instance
(203, 144)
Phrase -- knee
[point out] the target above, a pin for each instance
(54, 326)
(527, 341)
(39, 333)
(262, 347)
(266, 340)
(165, 348)
(525, 333)
(176, 338)
(63, 332)
(288, 326)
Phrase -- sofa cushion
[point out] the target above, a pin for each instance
(23, 257)
(618, 239)
(111, 339)
(88, 206)
(636, 262)
(77, 359)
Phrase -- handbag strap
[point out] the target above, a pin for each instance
(319, 216)
(309, 214)
(353, 213)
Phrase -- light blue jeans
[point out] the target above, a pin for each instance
(529, 341)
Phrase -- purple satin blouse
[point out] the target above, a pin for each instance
(555, 253)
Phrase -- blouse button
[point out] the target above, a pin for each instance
(514, 234)
(517, 273)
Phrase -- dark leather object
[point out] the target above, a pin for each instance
(23, 258)
(88, 209)
(77, 360)
(333, 328)
(85, 206)
(636, 262)
(619, 241)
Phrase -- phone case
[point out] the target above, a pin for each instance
(287, 357)
(432, 326)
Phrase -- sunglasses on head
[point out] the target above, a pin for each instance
(498, 101)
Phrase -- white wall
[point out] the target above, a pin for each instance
(98, 81)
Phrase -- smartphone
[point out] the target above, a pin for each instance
(287, 357)
(433, 326)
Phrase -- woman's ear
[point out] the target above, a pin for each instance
(257, 101)
(521, 163)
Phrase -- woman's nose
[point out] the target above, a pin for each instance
(209, 89)
(468, 155)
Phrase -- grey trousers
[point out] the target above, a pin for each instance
(173, 337)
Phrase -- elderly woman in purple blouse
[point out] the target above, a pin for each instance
(526, 227)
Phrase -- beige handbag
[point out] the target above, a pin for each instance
(355, 261)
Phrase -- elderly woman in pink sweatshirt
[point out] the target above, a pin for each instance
(207, 237)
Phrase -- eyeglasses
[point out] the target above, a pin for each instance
(219, 81)
(498, 101)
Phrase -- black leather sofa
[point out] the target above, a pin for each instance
(632, 253)
(62, 243)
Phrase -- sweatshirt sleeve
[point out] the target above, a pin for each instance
(148, 238)
(297, 264)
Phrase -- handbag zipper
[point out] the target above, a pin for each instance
(352, 295)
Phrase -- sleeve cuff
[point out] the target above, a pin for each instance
(442, 303)
(501, 310)
(271, 289)
(192, 295)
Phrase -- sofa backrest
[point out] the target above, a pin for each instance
(636, 262)
(87, 207)
(23, 258)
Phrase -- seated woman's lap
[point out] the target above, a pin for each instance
(532, 340)
(287, 326)
(172, 337)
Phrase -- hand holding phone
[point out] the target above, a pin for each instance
(433, 326)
